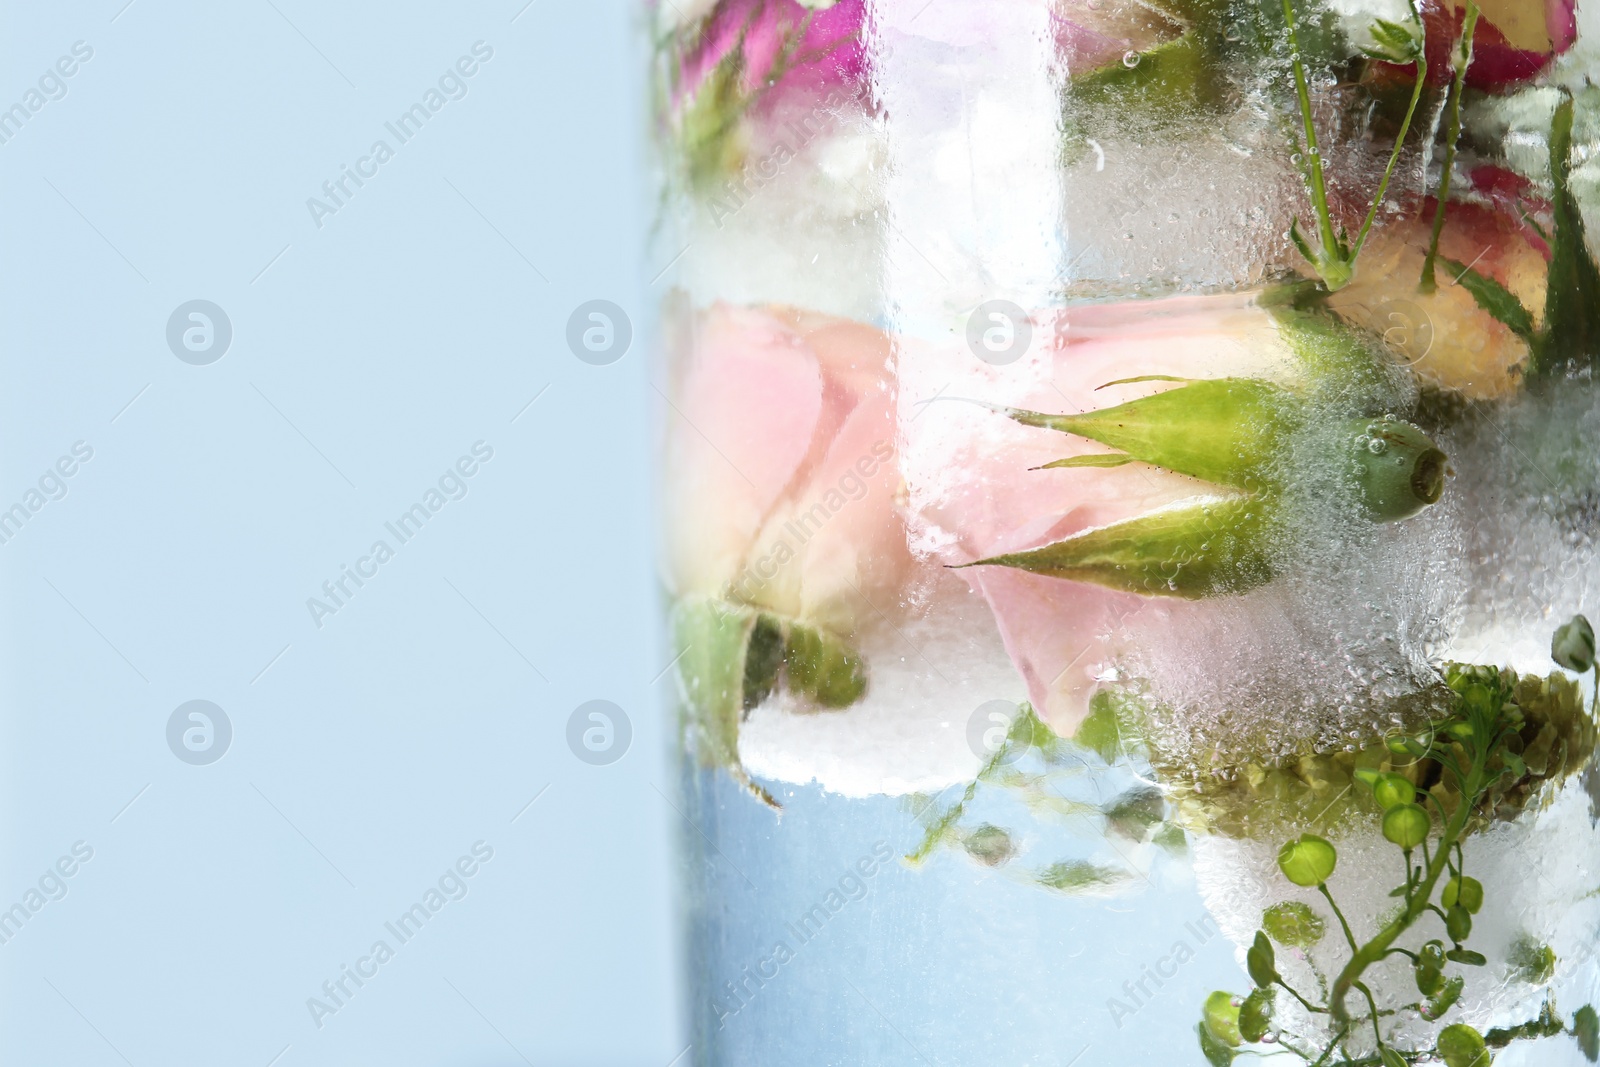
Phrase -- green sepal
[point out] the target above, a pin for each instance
(1391, 1058)
(732, 657)
(1174, 76)
(713, 638)
(1191, 550)
(1397, 43)
(1494, 298)
(1102, 459)
(1230, 431)
(1572, 296)
(823, 668)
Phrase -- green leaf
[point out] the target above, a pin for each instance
(1429, 978)
(1293, 923)
(1255, 1015)
(1572, 647)
(1391, 1058)
(1216, 1053)
(1458, 923)
(1171, 837)
(1261, 961)
(1532, 962)
(1101, 732)
(1221, 1018)
(1081, 876)
(989, 845)
(1494, 298)
(1466, 956)
(1586, 1028)
(1446, 997)
(1132, 814)
(1462, 1046)
(1191, 550)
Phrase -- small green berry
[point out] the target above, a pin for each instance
(1221, 1017)
(1308, 860)
(1393, 790)
(1407, 825)
(1468, 892)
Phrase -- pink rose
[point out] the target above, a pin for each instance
(762, 38)
(1058, 632)
(1514, 41)
(780, 466)
(1094, 34)
(1195, 484)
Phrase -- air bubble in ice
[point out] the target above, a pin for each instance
(1130, 59)
(1377, 446)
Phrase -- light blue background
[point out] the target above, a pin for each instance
(367, 356)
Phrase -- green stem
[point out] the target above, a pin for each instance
(1303, 1001)
(1348, 936)
(1463, 60)
(1420, 902)
(1343, 1029)
(1319, 192)
(1377, 1034)
(1394, 157)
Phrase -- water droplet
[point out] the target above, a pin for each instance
(1377, 446)
(1130, 59)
